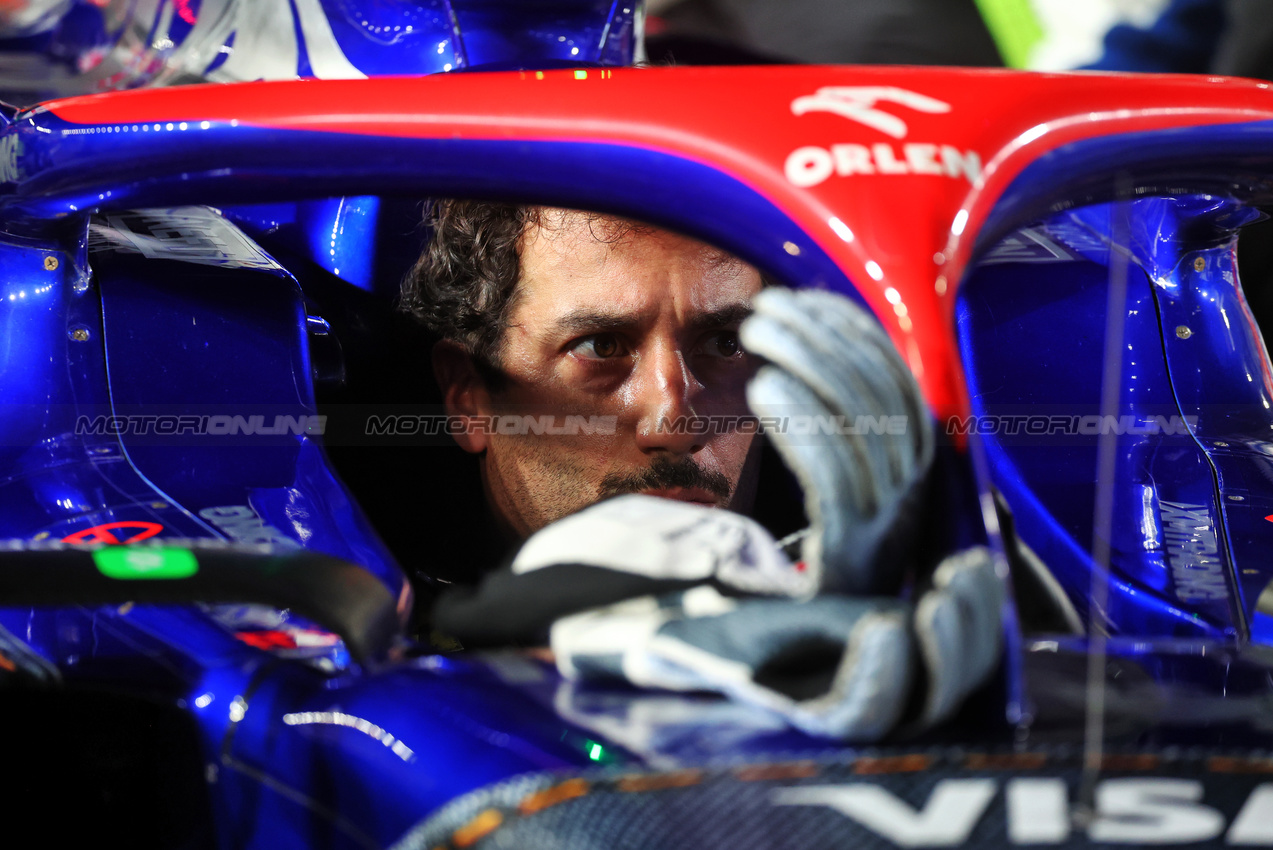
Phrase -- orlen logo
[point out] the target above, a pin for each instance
(810, 165)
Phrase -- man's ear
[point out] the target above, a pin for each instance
(464, 393)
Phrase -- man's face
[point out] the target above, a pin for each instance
(635, 324)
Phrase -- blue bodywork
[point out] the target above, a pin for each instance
(194, 315)
(86, 46)
(1191, 351)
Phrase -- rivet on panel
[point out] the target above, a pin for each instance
(79, 334)
(50, 263)
(1199, 263)
(1183, 331)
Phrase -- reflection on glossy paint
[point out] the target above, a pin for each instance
(841, 229)
(339, 718)
(1030, 135)
(1149, 519)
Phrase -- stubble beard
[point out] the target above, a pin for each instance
(545, 486)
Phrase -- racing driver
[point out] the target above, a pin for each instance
(620, 333)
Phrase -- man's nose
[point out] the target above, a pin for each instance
(665, 395)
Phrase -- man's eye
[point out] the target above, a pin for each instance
(599, 347)
(722, 344)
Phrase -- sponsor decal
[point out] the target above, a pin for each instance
(148, 563)
(1130, 811)
(158, 42)
(857, 103)
(1193, 551)
(186, 234)
(269, 39)
(910, 800)
(186, 12)
(287, 638)
(340, 718)
(1029, 245)
(267, 639)
(280, 632)
(115, 532)
(1076, 236)
(10, 150)
(242, 525)
(812, 164)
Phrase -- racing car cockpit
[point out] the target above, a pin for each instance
(1064, 458)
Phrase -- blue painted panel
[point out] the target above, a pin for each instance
(396, 746)
(58, 477)
(567, 31)
(228, 348)
(1032, 325)
(337, 234)
(391, 38)
(186, 339)
(1221, 377)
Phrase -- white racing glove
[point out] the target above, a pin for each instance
(679, 597)
(834, 666)
(830, 362)
(622, 548)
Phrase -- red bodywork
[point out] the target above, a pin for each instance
(909, 236)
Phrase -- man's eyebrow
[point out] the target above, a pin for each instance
(722, 317)
(593, 321)
(599, 321)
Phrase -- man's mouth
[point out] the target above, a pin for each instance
(682, 480)
(692, 495)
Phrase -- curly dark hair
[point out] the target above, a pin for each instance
(465, 282)
(464, 285)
